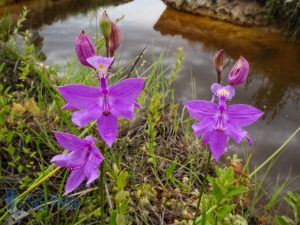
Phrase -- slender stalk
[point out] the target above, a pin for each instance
(102, 188)
(202, 188)
(275, 153)
(219, 77)
(216, 220)
(3, 216)
(107, 47)
(137, 60)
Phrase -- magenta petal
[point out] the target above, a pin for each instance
(77, 159)
(200, 109)
(70, 141)
(91, 169)
(91, 140)
(249, 140)
(84, 48)
(243, 115)
(205, 139)
(137, 105)
(98, 61)
(69, 106)
(126, 91)
(61, 160)
(97, 153)
(85, 116)
(223, 91)
(79, 96)
(215, 87)
(108, 128)
(70, 160)
(217, 143)
(92, 174)
(203, 127)
(123, 110)
(235, 132)
(239, 72)
(122, 96)
(74, 180)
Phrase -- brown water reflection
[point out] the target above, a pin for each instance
(270, 54)
(49, 11)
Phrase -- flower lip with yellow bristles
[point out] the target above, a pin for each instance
(220, 121)
(223, 92)
(104, 104)
(100, 64)
(83, 159)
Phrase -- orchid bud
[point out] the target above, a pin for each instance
(239, 72)
(105, 25)
(218, 58)
(114, 39)
(84, 48)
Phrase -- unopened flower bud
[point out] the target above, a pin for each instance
(105, 25)
(84, 48)
(239, 72)
(219, 58)
(114, 39)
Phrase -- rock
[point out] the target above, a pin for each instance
(241, 12)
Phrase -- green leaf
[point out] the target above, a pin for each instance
(113, 217)
(121, 219)
(225, 211)
(237, 190)
(27, 139)
(282, 220)
(228, 175)
(217, 191)
(11, 150)
(203, 213)
(2, 118)
(121, 195)
(121, 182)
(40, 215)
(10, 136)
(170, 169)
(124, 206)
(20, 168)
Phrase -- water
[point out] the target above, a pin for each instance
(274, 80)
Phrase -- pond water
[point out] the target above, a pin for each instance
(274, 80)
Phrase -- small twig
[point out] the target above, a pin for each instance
(108, 196)
(16, 64)
(137, 60)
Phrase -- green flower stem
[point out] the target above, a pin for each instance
(102, 188)
(4, 215)
(202, 188)
(107, 47)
